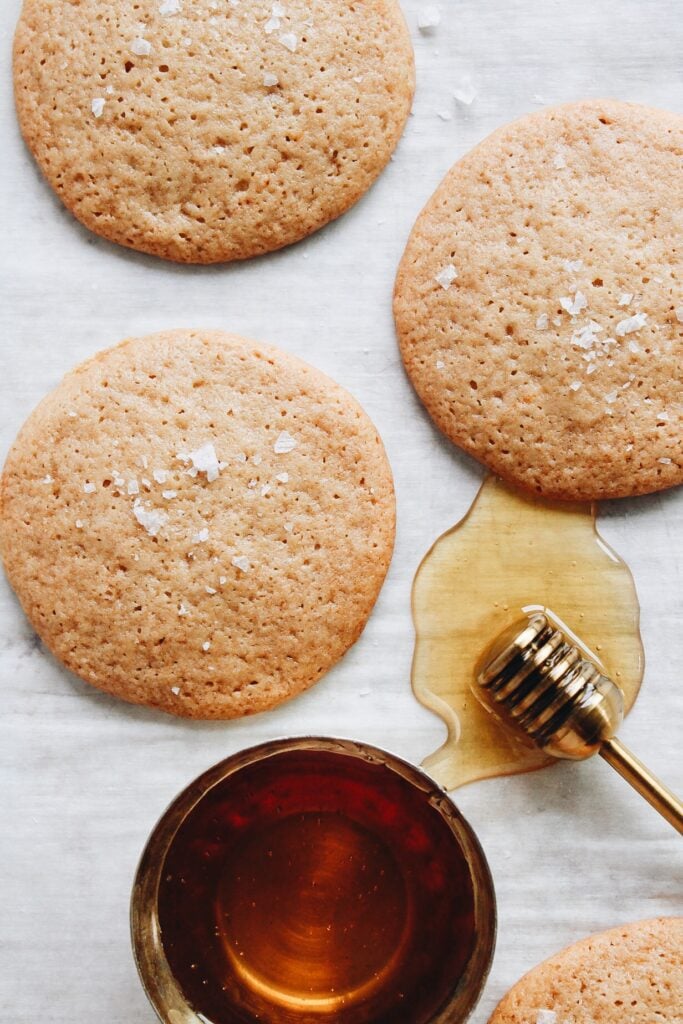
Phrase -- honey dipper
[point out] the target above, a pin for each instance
(540, 683)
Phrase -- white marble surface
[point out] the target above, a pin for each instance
(83, 776)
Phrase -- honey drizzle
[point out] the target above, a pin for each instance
(511, 552)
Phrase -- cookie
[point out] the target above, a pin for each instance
(628, 975)
(211, 130)
(197, 523)
(539, 303)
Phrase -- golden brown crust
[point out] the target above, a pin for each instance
(627, 975)
(129, 560)
(195, 157)
(574, 204)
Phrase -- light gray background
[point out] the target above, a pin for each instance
(84, 777)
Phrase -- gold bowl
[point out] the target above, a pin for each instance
(313, 880)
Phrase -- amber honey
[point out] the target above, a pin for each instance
(317, 886)
(510, 553)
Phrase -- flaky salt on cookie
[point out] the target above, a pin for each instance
(539, 303)
(197, 523)
(627, 975)
(202, 131)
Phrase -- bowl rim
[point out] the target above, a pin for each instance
(156, 976)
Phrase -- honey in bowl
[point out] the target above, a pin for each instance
(323, 880)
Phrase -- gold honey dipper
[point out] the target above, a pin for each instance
(541, 684)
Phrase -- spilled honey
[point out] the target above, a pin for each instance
(313, 886)
(511, 553)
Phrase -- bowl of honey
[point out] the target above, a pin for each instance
(313, 880)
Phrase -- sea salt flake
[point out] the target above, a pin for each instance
(266, 489)
(47, 479)
(201, 536)
(446, 276)
(628, 448)
(151, 519)
(206, 646)
(663, 416)
(252, 484)
(289, 40)
(269, 79)
(679, 314)
(631, 324)
(546, 1017)
(210, 590)
(285, 443)
(428, 18)
(133, 486)
(144, 461)
(205, 460)
(222, 580)
(576, 305)
(169, 7)
(141, 47)
(575, 385)
(175, 690)
(89, 488)
(611, 397)
(465, 92)
(586, 337)
(160, 475)
(282, 478)
(664, 461)
(559, 162)
(79, 524)
(257, 459)
(591, 369)
(440, 365)
(625, 298)
(542, 322)
(241, 562)
(572, 266)
(169, 495)
(288, 527)
(182, 609)
(97, 106)
(146, 483)
(633, 346)
(241, 457)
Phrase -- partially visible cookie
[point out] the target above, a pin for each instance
(628, 975)
(211, 130)
(539, 303)
(197, 523)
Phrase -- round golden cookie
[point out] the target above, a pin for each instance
(197, 523)
(211, 130)
(628, 975)
(539, 303)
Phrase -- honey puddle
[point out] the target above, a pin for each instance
(512, 552)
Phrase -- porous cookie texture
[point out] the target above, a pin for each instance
(197, 523)
(211, 130)
(628, 975)
(539, 302)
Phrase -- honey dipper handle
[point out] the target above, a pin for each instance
(643, 781)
